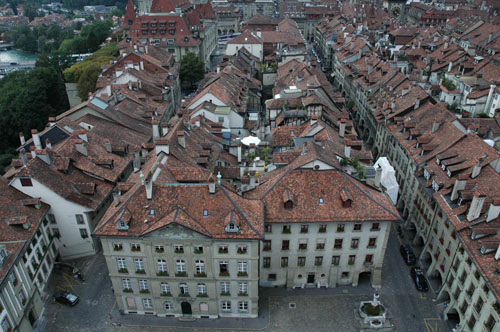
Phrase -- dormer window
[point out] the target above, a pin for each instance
(437, 161)
(321, 201)
(287, 200)
(427, 175)
(448, 173)
(346, 198)
(205, 213)
(288, 205)
(443, 167)
(231, 226)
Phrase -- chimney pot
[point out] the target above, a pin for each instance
(21, 138)
(36, 139)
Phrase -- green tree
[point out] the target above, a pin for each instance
(87, 81)
(92, 42)
(192, 68)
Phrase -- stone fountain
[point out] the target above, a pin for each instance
(372, 313)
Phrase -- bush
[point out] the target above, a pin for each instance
(371, 310)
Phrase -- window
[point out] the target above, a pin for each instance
(345, 275)
(126, 284)
(117, 246)
(352, 259)
(202, 289)
(121, 263)
(143, 285)
(271, 277)
(268, 228)
(336, 260)
(266, 262)
(354, 243)
(243, 306)
(285, 245)
(242, 267)
(180, 266)
(13, 278)
(304, 228)
(286, 229)
(83, 233)
(372, 242)
(223, 249)
(56, 233)
(225, 287)
(164, 288)
(322, 228)
(340, 227)
(205, 213)
(79, 219)
(223, 268)
(139, 264)
(5, 325)
(168, 305)
(221, 119)
(242, 249)
(135, 247)
(243, 288)
(159, 249)
(199, 266)
(183, 288)
(321, 201)
(226, 305)
(302, 244)
(288, 205)
(375, 226)
(178, 248)
(301, 261)
(284, 261)
(26, 182)
(198, 249)
(368, 258)
(357, 227)
(318, 260)
(148, 303)
(21, 297)
(267, 245)
(162, 265)
(338, 244)
(320, 244)
(52, 218)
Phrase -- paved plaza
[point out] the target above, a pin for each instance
(280, 310)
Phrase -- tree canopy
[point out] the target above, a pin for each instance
(192, 68)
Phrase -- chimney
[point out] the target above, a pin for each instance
(36, 139)
(149, 189)
(476, 205)
(162, 146)
(342, 127)
(21, 138)
(378, 175)
(108, 90)
(460, 183)
(24, 159)
(33, 152)
(252, 173)
(239, 152)
(490, 36)
(43, 155)
(259, 34)
(445, 46)
(417, 104)
(48, 145)
(435, 126)
(156, 129)
(493, 211)
(181, 138)
(116, 198)
(147, 49)
(211, 185)
(164, 129)
(82, 134)
(137, 161)
(218, 69)
(141, 64)
(81, 147)
(52, 121)
(347, 149)
(130, 85)
(197, 123)
(107, 145)
(476, 170)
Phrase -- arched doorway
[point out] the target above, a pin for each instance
(426, 260)
(444, 298)
(365, 278)
(453, 318)
(435, 280)
(186, 308)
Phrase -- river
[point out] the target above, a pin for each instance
(16, 56)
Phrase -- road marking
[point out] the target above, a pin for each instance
(431, 324)
(67, 283)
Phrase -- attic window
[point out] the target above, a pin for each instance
(231, 226)
(205, 213)
(152, 212)
(321, 201)
(26, 182)
(288, 205)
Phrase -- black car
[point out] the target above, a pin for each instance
(408, 255)
(66, 298)
(418, 277)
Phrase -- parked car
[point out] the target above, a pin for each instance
(418, 277)
(66, 298)
(408, 255)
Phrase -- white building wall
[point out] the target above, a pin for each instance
(254, 49)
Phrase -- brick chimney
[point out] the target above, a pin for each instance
(342, 127)
(162, 146)
(36, 139)
(33, 151)
(52, 121)
(48, 145)
(107, 145)
(116, 197)
(156, 129)
(21, 138)
(211, 185)
(435, 125)
(347, 148)
(493, 211)
(81, 147)
(378, 175)
(460, 183)
(43, 155)
(476, 205)
(476, 170)
(82, 134)
(137, 160)
(24, 158)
